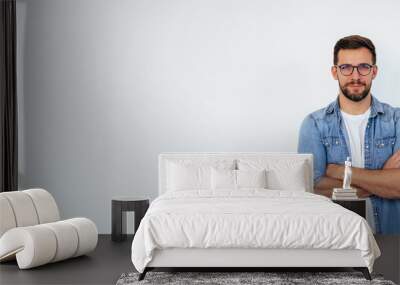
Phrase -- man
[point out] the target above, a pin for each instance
(357, 125)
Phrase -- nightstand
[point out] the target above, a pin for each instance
(355, 205)
(121, 205)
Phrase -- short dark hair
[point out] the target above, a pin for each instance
(353, 42)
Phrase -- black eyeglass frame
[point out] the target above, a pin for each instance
(355, 66)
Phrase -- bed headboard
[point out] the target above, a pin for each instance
(201, 157)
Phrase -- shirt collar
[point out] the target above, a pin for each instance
(376, 107)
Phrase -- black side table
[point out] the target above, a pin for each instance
(121, 205)
(355, 205)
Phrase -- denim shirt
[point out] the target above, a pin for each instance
(324, 135)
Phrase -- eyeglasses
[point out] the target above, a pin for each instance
(362, 69)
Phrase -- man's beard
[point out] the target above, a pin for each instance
(355, 97)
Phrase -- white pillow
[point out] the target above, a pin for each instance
(291, 177)
(282, 174)
(251, 178)
(237, 179)
(185, 177)
(223, 179)
(186, 174)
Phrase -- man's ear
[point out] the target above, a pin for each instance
(374, 71)
(334, 72)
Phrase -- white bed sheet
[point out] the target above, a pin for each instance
(250, 218)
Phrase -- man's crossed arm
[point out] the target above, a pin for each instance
(384, 182)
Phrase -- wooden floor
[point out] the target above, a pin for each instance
(111, 259)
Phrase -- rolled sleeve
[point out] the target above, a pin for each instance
(310, 142)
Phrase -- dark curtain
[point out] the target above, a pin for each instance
(8, 92)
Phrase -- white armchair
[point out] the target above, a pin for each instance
(31, 230)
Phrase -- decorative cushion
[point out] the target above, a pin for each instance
(237, 179)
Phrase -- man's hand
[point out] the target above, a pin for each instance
(335, 171)
(393, 161)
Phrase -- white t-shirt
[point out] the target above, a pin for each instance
(355, 127)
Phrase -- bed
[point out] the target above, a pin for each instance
(246, 210)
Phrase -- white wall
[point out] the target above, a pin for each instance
(105, 86)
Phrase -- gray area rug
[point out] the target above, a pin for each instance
(274, 278)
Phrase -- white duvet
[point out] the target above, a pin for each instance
(250, 218)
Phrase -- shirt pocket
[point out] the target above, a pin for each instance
(383, 149)
(385, 142)
(335, 149)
